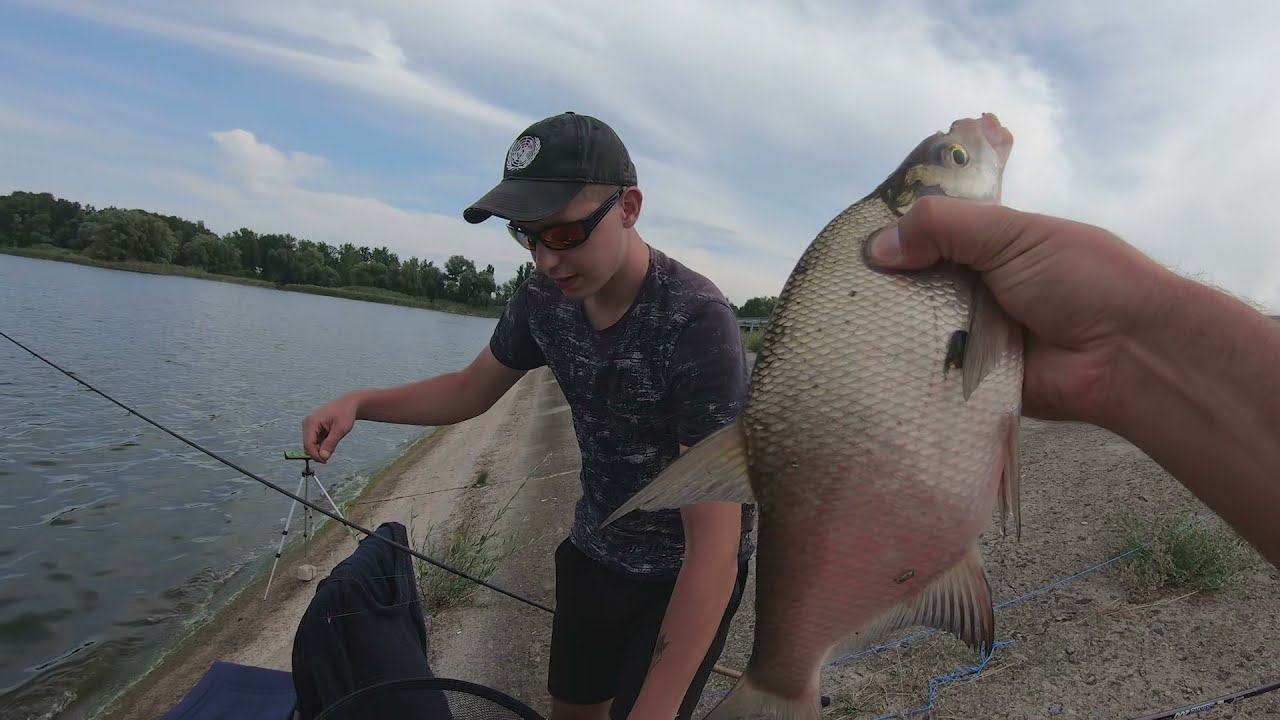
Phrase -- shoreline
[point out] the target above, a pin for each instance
(177, 666)
(181, 271)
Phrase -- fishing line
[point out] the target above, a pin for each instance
(282, 491)
(717, 669)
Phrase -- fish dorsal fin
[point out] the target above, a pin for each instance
(959, 602)
(714, 469)
(991, 334)
(1011, 478)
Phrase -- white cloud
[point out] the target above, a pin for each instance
(752, 124)
(261, 165)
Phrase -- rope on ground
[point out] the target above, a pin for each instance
(959, 676)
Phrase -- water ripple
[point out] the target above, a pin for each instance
(90, 489)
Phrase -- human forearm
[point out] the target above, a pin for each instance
(1198, 390)
(697, 606)
(442, 400)
(436, 401)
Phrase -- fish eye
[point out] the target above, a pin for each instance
(958, 155)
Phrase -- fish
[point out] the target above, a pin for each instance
(880, 430)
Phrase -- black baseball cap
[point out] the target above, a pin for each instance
(549, 163)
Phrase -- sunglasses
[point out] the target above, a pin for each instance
(564, 236)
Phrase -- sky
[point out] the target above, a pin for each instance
(751, 123)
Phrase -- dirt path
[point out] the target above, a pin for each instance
(1071, 654)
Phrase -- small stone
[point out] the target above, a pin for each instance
(1055, 709)
(305, 572)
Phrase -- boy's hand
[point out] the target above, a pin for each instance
(322, 429)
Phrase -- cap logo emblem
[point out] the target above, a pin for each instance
(522, 152)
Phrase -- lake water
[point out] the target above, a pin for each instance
(113, 533)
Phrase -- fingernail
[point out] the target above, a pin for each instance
(886, 248)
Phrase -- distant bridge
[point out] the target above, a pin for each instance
(745, 323)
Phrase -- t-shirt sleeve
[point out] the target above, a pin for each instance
(709, 374)
(512, 342)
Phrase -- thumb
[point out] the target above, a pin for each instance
(943, 228)
(337, 431)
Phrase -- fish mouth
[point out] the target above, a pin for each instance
(996, 135)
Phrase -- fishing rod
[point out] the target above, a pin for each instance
(282, 491)
(718, 669)
(1209, 704)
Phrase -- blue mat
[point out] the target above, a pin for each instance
(240, 692)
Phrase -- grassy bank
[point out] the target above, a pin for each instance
(367, 294)
(752, 339)
(391, 297)
(49, 252)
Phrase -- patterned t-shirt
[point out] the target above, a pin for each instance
(672, 371)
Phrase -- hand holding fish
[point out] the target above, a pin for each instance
(1077, 289)
(1184, 371)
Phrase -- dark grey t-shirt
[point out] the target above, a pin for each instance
(671, 372)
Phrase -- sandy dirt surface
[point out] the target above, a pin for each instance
(1077, 649)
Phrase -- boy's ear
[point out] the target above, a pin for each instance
(631, 202)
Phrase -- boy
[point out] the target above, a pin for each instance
(649, 356)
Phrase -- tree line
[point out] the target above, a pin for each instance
(112, 234)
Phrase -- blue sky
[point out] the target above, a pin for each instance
(376, 122)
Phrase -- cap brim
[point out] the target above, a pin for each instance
(522, 200)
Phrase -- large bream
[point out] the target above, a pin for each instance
(881, 427)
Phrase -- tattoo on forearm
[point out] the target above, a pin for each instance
(659, 649)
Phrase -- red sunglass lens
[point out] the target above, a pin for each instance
(564, 236)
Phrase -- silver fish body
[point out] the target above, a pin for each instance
(880, 429)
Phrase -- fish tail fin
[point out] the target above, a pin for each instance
(749, 700)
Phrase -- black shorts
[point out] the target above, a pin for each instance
(604, 631)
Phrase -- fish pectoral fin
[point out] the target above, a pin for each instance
(714, 469)
(959, 602)
(991, 334)
(1011, 478)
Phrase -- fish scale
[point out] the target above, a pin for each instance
(880, 427)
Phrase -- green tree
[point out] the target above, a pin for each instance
(369, 274)
(211, 253)
(246, 241)
(433, 280)
(758, 307)
(115, 234)
(28, 218)
(118, 234)
(509, 287)
(309, 266)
